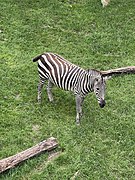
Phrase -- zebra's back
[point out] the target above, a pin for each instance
(59, 71)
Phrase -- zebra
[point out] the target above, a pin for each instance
(62, 73)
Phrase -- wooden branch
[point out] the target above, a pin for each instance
(119, 71)
(12, 161)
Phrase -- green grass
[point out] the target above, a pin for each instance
(103, 146)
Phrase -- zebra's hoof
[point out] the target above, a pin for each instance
(39, 101)
(77, 122)
(50, 100)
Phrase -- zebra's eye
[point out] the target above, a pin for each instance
(97, 89)
(96, 79)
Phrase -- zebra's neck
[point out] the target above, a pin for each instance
(84, 82)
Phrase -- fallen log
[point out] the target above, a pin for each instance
(12, 161)
(119, 71)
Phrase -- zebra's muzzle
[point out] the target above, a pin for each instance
(102, 103)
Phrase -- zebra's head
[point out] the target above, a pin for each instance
(98, 86)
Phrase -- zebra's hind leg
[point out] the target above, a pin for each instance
(40, 86)
(79, 102)
(49, 91)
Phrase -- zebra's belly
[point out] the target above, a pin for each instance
(62, 84)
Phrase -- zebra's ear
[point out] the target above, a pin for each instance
(106, 77)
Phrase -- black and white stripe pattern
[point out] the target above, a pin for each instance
(62, 73)
(68, 76)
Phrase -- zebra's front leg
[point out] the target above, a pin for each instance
(79, 102)
(40, 86)
(49, 91)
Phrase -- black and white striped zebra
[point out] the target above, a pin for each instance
(68, 76)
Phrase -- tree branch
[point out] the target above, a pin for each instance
(119, 71)
(46, 145)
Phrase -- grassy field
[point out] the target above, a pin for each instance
(103, 146)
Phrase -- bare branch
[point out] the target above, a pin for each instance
(46, 145)
(119, 71)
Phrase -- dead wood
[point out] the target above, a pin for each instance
(119, 71)
(10, 162)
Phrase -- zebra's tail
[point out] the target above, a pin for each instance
(36, 58)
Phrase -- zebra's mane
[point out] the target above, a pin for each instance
(63, 59)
